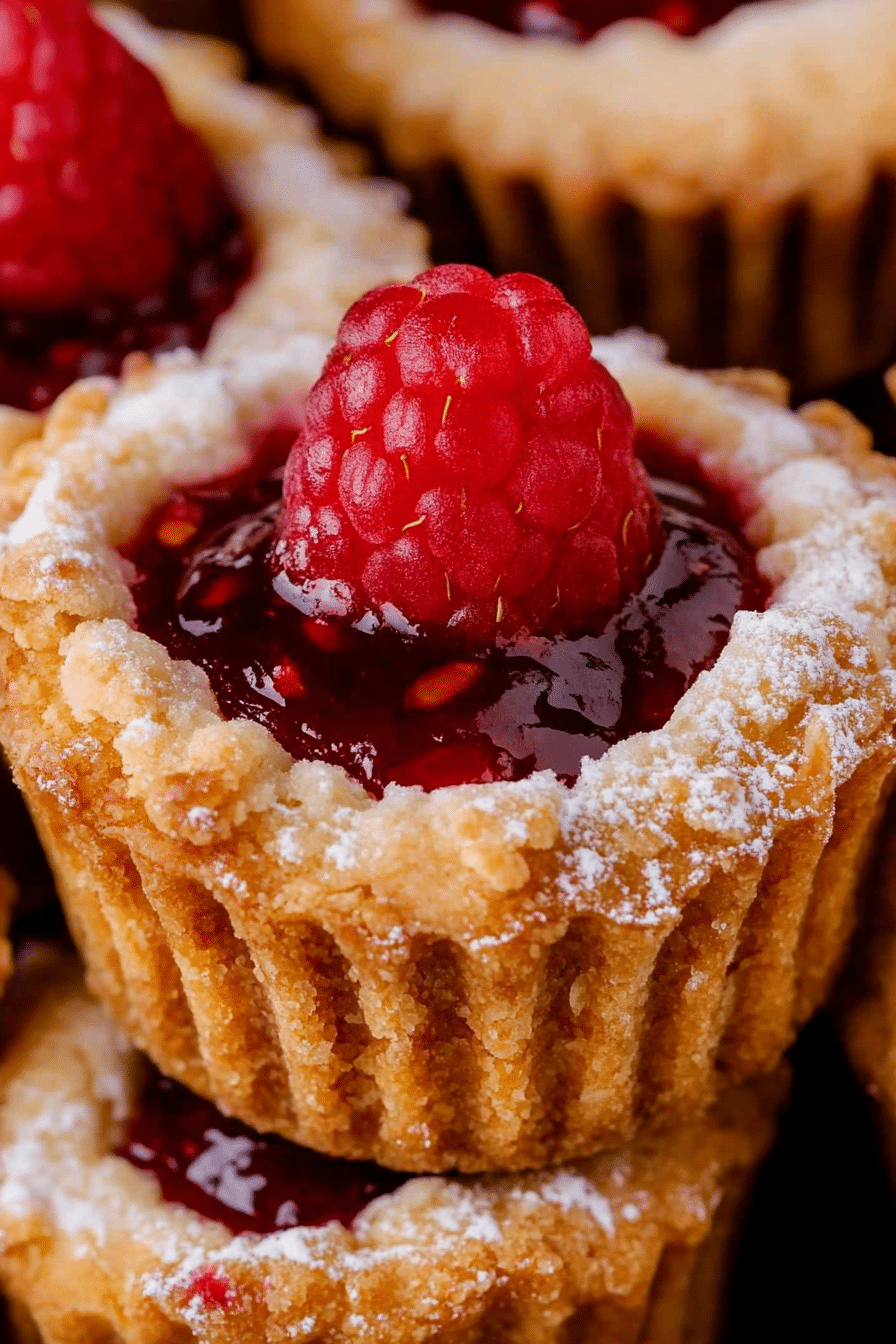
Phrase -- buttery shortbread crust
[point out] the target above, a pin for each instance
(733, 191)
(630, 1245)
(484, 976)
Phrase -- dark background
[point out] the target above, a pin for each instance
(819, 1246)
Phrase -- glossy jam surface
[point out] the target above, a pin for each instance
(225, 1170)
(421, 711)
(41, 354)
(579, 20)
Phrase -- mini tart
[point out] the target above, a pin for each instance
(630, 1245)
(322, 236)
(732, 191)
(485, 976)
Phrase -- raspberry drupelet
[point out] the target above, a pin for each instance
(464, 464)
(116, 232)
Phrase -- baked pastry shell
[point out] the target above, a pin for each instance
(632, 1244)
(733, 192)
(485, 976)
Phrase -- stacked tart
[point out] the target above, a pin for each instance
(718, 172)
(628, 1245)
(457, 752)
(580, 877)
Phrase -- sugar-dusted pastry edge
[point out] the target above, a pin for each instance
(89, 1248)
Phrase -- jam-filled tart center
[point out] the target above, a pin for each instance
(462, 574)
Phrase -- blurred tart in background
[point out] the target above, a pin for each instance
(720, 173)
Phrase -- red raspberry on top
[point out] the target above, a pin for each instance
(101, 189)
(464, 463)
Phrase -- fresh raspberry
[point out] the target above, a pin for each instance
(102, 189)
(464, 462)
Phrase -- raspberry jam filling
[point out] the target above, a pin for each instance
(116, 232)
(422, 711)
(462, 573)
(41, 354)
(223, 1169)
(579, 20)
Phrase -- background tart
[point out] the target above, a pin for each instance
(732, 191)
(319, 236)
(7, 897)
(496, 975)
(322, 234)
(632, 1243)
(868, 994)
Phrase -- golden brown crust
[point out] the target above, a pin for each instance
(755, 145)
(628, 1245)
(637, 109)
(484, 976)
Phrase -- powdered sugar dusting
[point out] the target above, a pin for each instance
(570, 1191)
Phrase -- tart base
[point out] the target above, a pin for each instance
(632, 1245)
